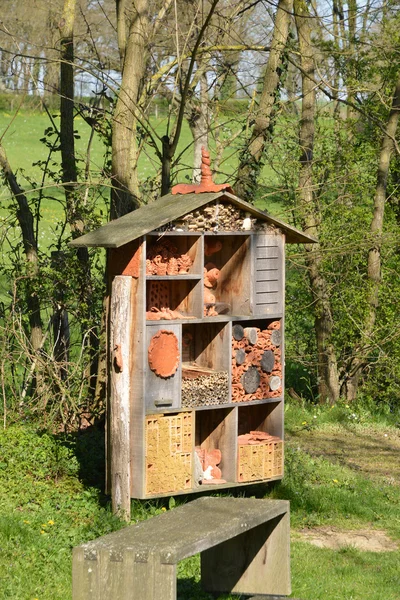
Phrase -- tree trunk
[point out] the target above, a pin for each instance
(26, 223)
(67, 138)
(199, 126)
(122, 26)
(351, 74)
(70, 180)
(251, 156)
(374, 254)
(328, 382)
(170, 143)
(125, 195)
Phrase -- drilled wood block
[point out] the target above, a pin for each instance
(277, 459)
(169, 445)
(260, 461)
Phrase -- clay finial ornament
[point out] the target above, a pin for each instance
(206, 183)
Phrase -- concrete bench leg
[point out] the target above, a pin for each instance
(122, 577)
(255, 562)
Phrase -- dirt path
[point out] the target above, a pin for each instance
(375, 452)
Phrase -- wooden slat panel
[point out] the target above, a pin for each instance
(265, 286)
(267, 263)
(268, 297)
(267, 252)
(268, 274)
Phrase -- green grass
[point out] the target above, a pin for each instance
(51, 500)
(21, 135)
(348, 574)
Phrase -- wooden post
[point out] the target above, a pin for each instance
(256, 562)
(120, 389)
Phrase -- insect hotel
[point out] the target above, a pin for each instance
(196, 343)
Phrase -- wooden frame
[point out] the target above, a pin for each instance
(255, 294)
(174, 269)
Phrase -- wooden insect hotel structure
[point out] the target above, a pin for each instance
(196, 343)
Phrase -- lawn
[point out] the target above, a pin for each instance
(51, 499)
(21, 137)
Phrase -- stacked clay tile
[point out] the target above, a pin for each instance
(164, 259)
(209, 460)
(255, 438)
(247, 360)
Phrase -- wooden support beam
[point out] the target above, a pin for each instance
(120, 387)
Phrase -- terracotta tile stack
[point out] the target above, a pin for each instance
(163, 258)
(211, 276)
(209, 461)
(256, 363)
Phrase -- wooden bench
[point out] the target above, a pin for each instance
(244, 545)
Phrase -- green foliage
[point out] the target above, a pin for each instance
(321, 492)
(44, 512)
(39, 456)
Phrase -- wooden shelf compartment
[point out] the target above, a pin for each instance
(217, 430)
(261, 417)
(205, 364)
(262, 460)
(181, 297)
(171, 249)
(232, 257)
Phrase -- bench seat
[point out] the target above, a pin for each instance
(244, 546)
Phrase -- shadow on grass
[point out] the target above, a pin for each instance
(190, 589)
(88, 447)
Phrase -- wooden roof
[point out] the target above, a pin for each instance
(169, 208)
